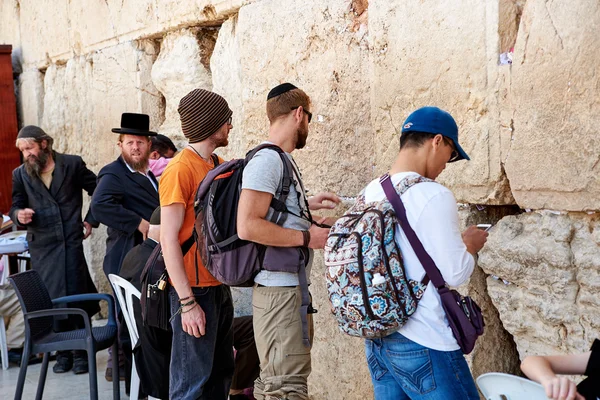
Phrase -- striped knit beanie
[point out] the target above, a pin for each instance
(202, 113)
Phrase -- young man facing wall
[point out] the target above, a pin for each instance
(278, 327)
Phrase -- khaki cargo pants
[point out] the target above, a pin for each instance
(10, 310)
(284, 360)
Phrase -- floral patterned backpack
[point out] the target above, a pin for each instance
(368, 289)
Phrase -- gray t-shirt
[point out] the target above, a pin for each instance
(264, 173)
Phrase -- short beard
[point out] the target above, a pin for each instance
(220, 141)
(140, 166)
(37, 164)
(220, 138)
(301, 136)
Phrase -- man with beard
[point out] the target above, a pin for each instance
(126, 196)
(282, 328)
(47, 200)
(202, 308)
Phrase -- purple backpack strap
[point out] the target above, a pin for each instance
(431, 270)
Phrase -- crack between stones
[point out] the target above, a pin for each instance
(562, 46)
(127, 72)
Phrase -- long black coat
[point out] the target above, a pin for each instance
(121, 199)
(55, 234)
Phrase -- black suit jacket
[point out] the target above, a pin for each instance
(121, 199)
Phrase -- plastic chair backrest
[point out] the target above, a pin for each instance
(5, 268)
(498, 386)
(33, 296)
(125, 292)
(3, 346)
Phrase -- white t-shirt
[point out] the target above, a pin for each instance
(433, 214)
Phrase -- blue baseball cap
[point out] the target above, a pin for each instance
(436, 121)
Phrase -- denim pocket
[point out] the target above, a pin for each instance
(414, 370)
(377, 371)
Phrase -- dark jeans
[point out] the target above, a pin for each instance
(201, 368)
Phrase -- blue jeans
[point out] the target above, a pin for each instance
(402, 369)
(201, 368)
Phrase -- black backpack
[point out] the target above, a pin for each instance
(228, 258)
(231, 260)
(156, 308)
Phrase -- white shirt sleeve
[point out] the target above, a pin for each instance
(438, 231)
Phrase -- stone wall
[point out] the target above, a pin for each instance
(549, 270)
(530, 127)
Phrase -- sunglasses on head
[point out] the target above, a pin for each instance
(306, 111)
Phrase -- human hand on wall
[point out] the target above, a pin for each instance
(474, 239)
(25, 215)
(323, 200)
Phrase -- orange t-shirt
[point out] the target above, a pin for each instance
(178, 184)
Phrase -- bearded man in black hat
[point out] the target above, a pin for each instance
(127, 194)
(47, 200)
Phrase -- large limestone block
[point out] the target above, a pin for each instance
(550, 266)
(44, 31)
(313, 45)
(553, 161)
(54, 31)
(182, 66)
(170, 14)
(100, 24)
(495, 350)
(441, 53)
(85, 97)
(31, 97)
(9, 30)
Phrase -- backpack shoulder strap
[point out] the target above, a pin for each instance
(215, 159)
(278, 201)
(187, 245)
(431, 270)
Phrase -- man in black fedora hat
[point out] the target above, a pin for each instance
(47, 200)
(127, 193)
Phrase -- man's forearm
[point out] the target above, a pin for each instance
(174, 263)
(270, 234)
(537, 368)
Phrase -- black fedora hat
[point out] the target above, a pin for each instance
(134, 124)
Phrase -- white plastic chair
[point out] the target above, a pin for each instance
(125, 292)
(3, 345)
(498, 386)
